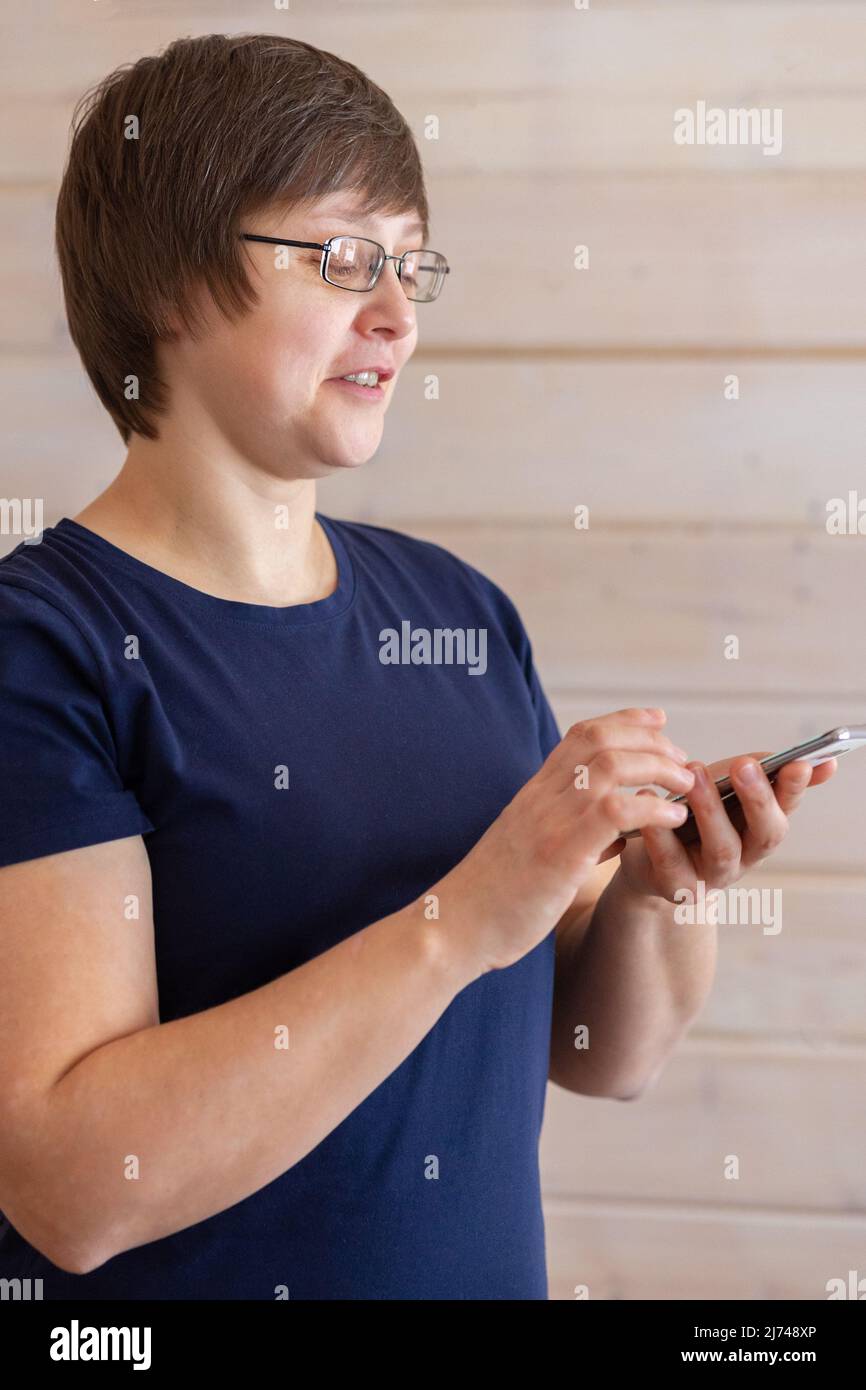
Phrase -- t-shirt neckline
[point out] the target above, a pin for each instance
(224, 609)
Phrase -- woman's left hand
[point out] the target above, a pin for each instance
(656, 863)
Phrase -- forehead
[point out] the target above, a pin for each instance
(350, 215)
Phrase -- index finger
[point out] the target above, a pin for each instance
(587, 738)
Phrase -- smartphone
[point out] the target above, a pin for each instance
(814, 751)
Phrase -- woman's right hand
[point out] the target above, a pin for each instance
(524, 872)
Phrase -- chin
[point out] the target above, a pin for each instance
(346, 453)
(344, 462)
(324, 465)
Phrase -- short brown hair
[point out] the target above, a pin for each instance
(227, 125)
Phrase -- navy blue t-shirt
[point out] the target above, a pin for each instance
(132, 703)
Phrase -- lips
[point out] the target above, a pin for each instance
(384, 373)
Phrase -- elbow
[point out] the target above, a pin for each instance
(582, 1081)
(55, 1236)
(76, 1246)
(634, 1091)
(628, 1095)
(43, 1196)
(77, 1259)
(66, 1250)
(53, 1245)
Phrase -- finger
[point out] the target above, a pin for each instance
(721, 768)
(624, 767)
(720, 847)
(607, 732)
(672, 865)
(791, 782)
(765, 823)
(586, 739)
(794, 780)
(636, 714)
(824, 771)
(618, 811)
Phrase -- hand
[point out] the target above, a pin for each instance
(525, 870)
(656, 863)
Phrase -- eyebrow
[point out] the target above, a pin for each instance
(353, 215)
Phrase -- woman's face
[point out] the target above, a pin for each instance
(264, 385)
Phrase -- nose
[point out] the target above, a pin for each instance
(387, 305)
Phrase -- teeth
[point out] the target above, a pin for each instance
(363, 378)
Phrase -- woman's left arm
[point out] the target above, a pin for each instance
(630, 980)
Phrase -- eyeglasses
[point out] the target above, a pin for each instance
(355, 263)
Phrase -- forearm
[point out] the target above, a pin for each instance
(212, 1107)
(636, 980)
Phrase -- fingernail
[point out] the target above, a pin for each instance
(680, 753)
(676, 814)
(701, 778)
(748, 772)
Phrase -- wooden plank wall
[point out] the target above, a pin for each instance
(603, 387)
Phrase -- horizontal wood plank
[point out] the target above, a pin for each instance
(794, 1123)
(675, 261)
(578, 129)
(715, 48)
(638, 609)
(524, 439)
(800, 981)
(647, 440)
(638, 1251)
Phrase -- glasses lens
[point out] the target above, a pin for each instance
(423, 274)
(353, 263)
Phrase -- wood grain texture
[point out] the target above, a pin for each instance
(676, 261)
(629, 1250)
(555, 387)
(652, 441)
(784, 1113)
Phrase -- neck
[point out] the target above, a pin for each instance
(232, 532)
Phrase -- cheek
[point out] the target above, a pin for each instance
(268, 364)
(261, 365)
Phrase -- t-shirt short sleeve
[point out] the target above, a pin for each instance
(548, 730)
(60, 787)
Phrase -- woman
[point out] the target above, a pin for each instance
(299, 891)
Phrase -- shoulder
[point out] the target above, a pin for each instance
(40, 608)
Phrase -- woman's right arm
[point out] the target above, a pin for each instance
(209, 1107)
(117, 1130)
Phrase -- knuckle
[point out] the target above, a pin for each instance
(726, 861)
(606, 762)
(602, 735)
(770, 841)
(666, 765)
(592, 733)
(611, 805)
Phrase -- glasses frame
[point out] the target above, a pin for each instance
(325, 248)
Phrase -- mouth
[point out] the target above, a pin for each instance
(364, 387)
(372, 393)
